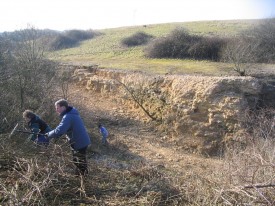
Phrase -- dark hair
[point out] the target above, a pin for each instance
(99, 125)
(28, 114)
(62, 102)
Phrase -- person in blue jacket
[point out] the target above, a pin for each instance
(72, 125)
(104, 133)
(36, 125)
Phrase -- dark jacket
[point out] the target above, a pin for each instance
(37, 125)
(72, 125)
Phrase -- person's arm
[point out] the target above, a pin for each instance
(61, 129)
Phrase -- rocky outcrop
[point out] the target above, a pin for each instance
(194, 110)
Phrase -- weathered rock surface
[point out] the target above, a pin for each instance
(189, 109)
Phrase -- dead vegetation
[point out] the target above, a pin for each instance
(138, 167)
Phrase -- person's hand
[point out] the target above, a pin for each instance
(46, 135)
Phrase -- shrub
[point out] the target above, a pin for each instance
(175, 45)
(136, 39)
(62, 42)
(263, 36)
(80, 35)
(255, 45)
(241, 52)
(182, 41)
(180, 44)
(159, 48)
(207, 48)
(71, 38)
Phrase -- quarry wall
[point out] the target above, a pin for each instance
(196, 111)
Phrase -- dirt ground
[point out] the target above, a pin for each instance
(128, 132)
(140, 166)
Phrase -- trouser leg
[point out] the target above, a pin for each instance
(80, 160)
(104, 140)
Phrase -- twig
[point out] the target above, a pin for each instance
(135, 98)
(258, 186)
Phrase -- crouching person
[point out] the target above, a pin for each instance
(36, 125)
(72, 125)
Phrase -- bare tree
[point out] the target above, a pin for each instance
(64, 79)
(28, 74)
(241, 53)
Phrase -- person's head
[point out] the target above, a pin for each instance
(61, 105)
(28, 115)
(99, 125)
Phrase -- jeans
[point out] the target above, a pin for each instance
(42, 140)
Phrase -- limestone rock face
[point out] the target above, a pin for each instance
(198, 108)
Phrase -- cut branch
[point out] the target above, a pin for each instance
(258, 186)
(135, 98)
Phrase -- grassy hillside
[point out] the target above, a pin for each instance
(107, 51)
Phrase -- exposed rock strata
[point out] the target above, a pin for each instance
(192, 108)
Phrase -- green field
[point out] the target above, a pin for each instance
(107, 51)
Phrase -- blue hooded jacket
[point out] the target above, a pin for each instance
(103, 131)
(72, 125)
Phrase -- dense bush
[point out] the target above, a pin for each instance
(263, 36)
(159, 48)
(256, 45)
(208, 48)
(54, 40)
(71, 38)
(175, 45)
(180, 44)
(80, 35)
(62, 42)
(136, 39)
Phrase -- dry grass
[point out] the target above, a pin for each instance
(249, 161)
(118, 176)
(47, 178)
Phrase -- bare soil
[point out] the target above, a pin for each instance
(138, 138)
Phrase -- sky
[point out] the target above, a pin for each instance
(100, 14)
